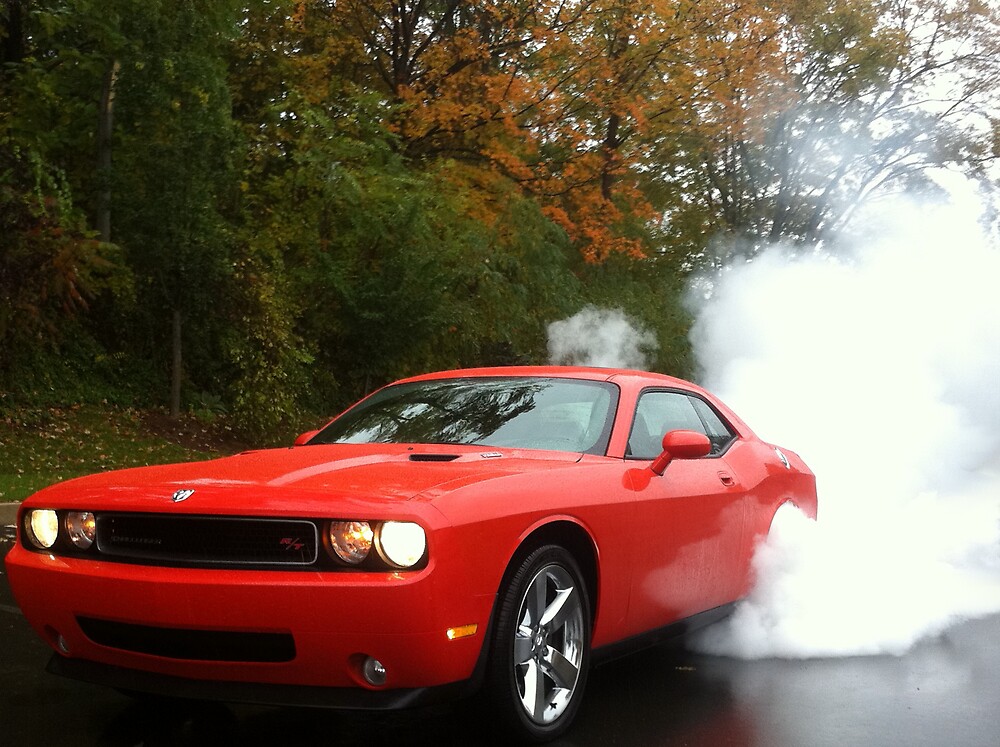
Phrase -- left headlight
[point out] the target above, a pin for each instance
(401, 543)
(44, 526)
(41, 527)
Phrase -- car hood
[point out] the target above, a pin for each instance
(305, 476)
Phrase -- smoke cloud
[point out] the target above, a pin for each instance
(880, 366)
(599, 337)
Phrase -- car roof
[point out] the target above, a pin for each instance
(592, 373)
(629, 381)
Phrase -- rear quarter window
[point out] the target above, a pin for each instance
(661, 411)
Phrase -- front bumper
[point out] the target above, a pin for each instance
(334, 619)
(257, 693)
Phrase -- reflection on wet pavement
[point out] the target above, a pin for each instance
(945, 691)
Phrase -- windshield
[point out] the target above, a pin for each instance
(530, 413)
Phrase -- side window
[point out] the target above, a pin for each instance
(715, 428)
(661, 411)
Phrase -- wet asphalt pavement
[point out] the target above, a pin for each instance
(946, 692)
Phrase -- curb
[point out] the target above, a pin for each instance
(8, 513)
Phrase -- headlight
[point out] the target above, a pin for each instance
(351, 540)
(42, 527)
(81, 527)
(401, 543)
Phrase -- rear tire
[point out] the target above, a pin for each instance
(540, 652)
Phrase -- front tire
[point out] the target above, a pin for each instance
(540, 652)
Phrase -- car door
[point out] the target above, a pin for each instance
(689, 550)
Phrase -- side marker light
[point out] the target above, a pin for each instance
(462, 631)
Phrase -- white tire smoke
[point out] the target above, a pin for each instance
(880, 366)
(600, 337)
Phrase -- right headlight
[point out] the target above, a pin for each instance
(401, 543)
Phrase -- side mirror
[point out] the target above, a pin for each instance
(681, 445)
(305, 437)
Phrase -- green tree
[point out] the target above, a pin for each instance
(397, 263)
(154, 178)
(309, 197)
(52, 265)
(172, 179)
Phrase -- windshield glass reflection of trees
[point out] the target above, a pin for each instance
(555, 414)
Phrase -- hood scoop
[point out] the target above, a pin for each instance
(433, 457)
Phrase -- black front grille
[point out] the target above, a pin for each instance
(208, 539)
(198, 645)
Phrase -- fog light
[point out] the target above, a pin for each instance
(42, 527)
(81, 528)
(373, 672)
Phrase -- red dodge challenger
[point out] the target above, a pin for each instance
(491, 529)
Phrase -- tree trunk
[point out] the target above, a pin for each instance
(12, 42)
(609, 151)
(104, 131)
(175, 374)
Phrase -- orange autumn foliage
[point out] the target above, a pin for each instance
(563, 99)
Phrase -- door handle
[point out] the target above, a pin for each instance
(727, 479)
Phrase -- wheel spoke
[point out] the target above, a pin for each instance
(560, 669)
(535, 602)
(534, 699)
(562, 607)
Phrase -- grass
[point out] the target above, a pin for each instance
(41, 446)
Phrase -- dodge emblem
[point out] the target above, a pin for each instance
(182, 495)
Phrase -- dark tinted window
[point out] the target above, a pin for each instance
(659, 412)
(532, 413)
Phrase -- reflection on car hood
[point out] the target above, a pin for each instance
(256, 480)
